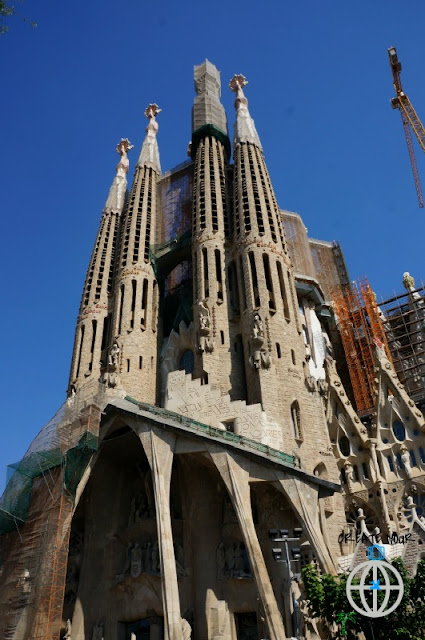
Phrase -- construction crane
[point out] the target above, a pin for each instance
(409, 118)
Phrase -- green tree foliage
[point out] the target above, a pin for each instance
(6, 10)
(329, 602)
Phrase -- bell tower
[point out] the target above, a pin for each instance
(132, 359)
(210, 149)
(92, 335)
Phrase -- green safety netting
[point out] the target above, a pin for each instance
(47, 451)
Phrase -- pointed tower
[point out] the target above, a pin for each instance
(274, 351)
(132, 360)
(210, 150)
(92, 334)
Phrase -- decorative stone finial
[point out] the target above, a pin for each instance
(408, 281)
(149, 155)
(123, 147)
(236, 84)
(152, 110)
(244, 129)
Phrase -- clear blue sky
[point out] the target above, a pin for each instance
(319, 90)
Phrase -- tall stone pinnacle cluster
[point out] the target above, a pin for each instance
(212, 406)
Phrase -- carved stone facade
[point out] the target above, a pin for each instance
(208, 352)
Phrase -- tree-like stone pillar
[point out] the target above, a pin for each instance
(303, 497)
(159, 447)
(236, 480)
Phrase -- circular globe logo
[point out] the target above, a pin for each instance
(368, 588)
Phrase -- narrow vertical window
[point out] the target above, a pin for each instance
(93, 340)
(283, 291)
(140, 362)
(269, 282)
(133, 302)
(206, 282)
(218, 275)
(254, 279)
(155, 296)
(243, 281)
(233, 288)
(121, 308)
(222, 337)
(80, 350)
(144, 303)
(293, 357)
(278, 352)
(195, 276)
(128, 365)
(296, 420)
(105, 333)
(365, 471)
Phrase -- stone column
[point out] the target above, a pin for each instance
(236, 480)
(159, 447)
(304, 497)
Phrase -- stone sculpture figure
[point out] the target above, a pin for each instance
(257, 328)
(68, 630)
(311, 630)
(136, 561)
(113, 355)
(349, 475)
(255, 360)
(405, 458)
(204, 318)
(186, 630)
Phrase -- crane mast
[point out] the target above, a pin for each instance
(409, 117)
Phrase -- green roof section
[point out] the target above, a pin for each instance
(219, 434)
(209, 130)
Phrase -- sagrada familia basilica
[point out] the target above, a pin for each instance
(228, 386)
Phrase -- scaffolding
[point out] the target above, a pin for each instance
(35, 521)
(360, 324)
(404, 326)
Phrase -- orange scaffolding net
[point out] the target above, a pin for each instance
(360, 325)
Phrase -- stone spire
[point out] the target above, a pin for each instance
(115, 201)
(244, 128)
(149, 155)
(132, 356)
(94, 321)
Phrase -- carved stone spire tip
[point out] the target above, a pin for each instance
(152, 110)
(238, 82)
(124, 146)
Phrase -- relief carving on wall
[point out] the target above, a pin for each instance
(232, 561)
